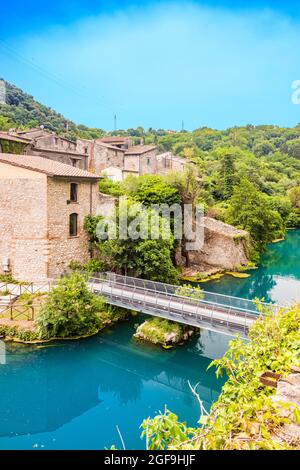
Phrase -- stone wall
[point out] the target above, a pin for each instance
(34, 223)
(69, 158)
(148, 162)
(53, 141)
(62, 248)
(101, 155)
(106, 205)
(23, 222)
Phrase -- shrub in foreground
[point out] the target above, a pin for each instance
(245, 416)
(70, 310)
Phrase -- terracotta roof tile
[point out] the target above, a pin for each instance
(114, 139)
(140, 149)
(46, 166)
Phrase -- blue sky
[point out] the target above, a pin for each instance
(209, 63)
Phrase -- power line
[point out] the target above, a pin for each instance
(15, 55)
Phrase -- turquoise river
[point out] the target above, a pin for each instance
(73, 395)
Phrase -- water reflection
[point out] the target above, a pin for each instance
(276, 280)
(43, 389)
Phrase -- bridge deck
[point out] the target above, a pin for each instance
(133, 294)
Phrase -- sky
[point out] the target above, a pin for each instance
(156, 63)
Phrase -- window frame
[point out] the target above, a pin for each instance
(73, 185)
(73, 219)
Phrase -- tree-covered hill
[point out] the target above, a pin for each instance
(23, 111)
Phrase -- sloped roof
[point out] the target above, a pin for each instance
(46, 166)
(12, 138)
(120, 139)
(112, 147)
(140, 149)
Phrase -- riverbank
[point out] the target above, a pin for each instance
(247, 415)
(27, 332)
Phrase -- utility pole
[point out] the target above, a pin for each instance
(115, 122)
(182, 125)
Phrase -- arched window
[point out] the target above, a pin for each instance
(73, 225)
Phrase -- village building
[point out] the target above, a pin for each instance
(101, 156)
(140, 160)
(168, 162)
(42, 211)
(117, 141)
(41, 138)
(13, 144)
(49, 145)
(74, 159)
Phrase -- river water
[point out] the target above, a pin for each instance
(73, 395)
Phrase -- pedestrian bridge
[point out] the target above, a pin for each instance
(214, 312)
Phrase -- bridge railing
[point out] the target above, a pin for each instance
(233, 304)
(159, 287)
(173, 307)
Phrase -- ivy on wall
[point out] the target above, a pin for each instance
(7, 146)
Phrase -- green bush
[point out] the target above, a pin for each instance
(70, 310)
(244, 417)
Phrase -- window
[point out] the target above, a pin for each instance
(73, 192)
(73, 227)
(148, 161)
(73, 162)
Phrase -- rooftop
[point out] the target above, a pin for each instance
(140, 149)
(12, 138)
(114, 139)
(48, 167)
(61, 151)
(112, 147)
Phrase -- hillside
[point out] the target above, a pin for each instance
(23, 111)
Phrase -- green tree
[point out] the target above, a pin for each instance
(228, 172)
(252, 210)
(70, 310)
(139, 256)
(152, 189)
(294, 196)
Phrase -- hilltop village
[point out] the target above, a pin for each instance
(49, 185)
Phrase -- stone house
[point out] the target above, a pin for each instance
(43, 143)
(43, 204)
(41, 138)
(168, 162)
(121, 142)
(74, 159)
(13, 144)
(140, 160)
(101, 156)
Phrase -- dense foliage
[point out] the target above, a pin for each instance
(70, 310)
(141, 257)
(23, 111)
(245, 416)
